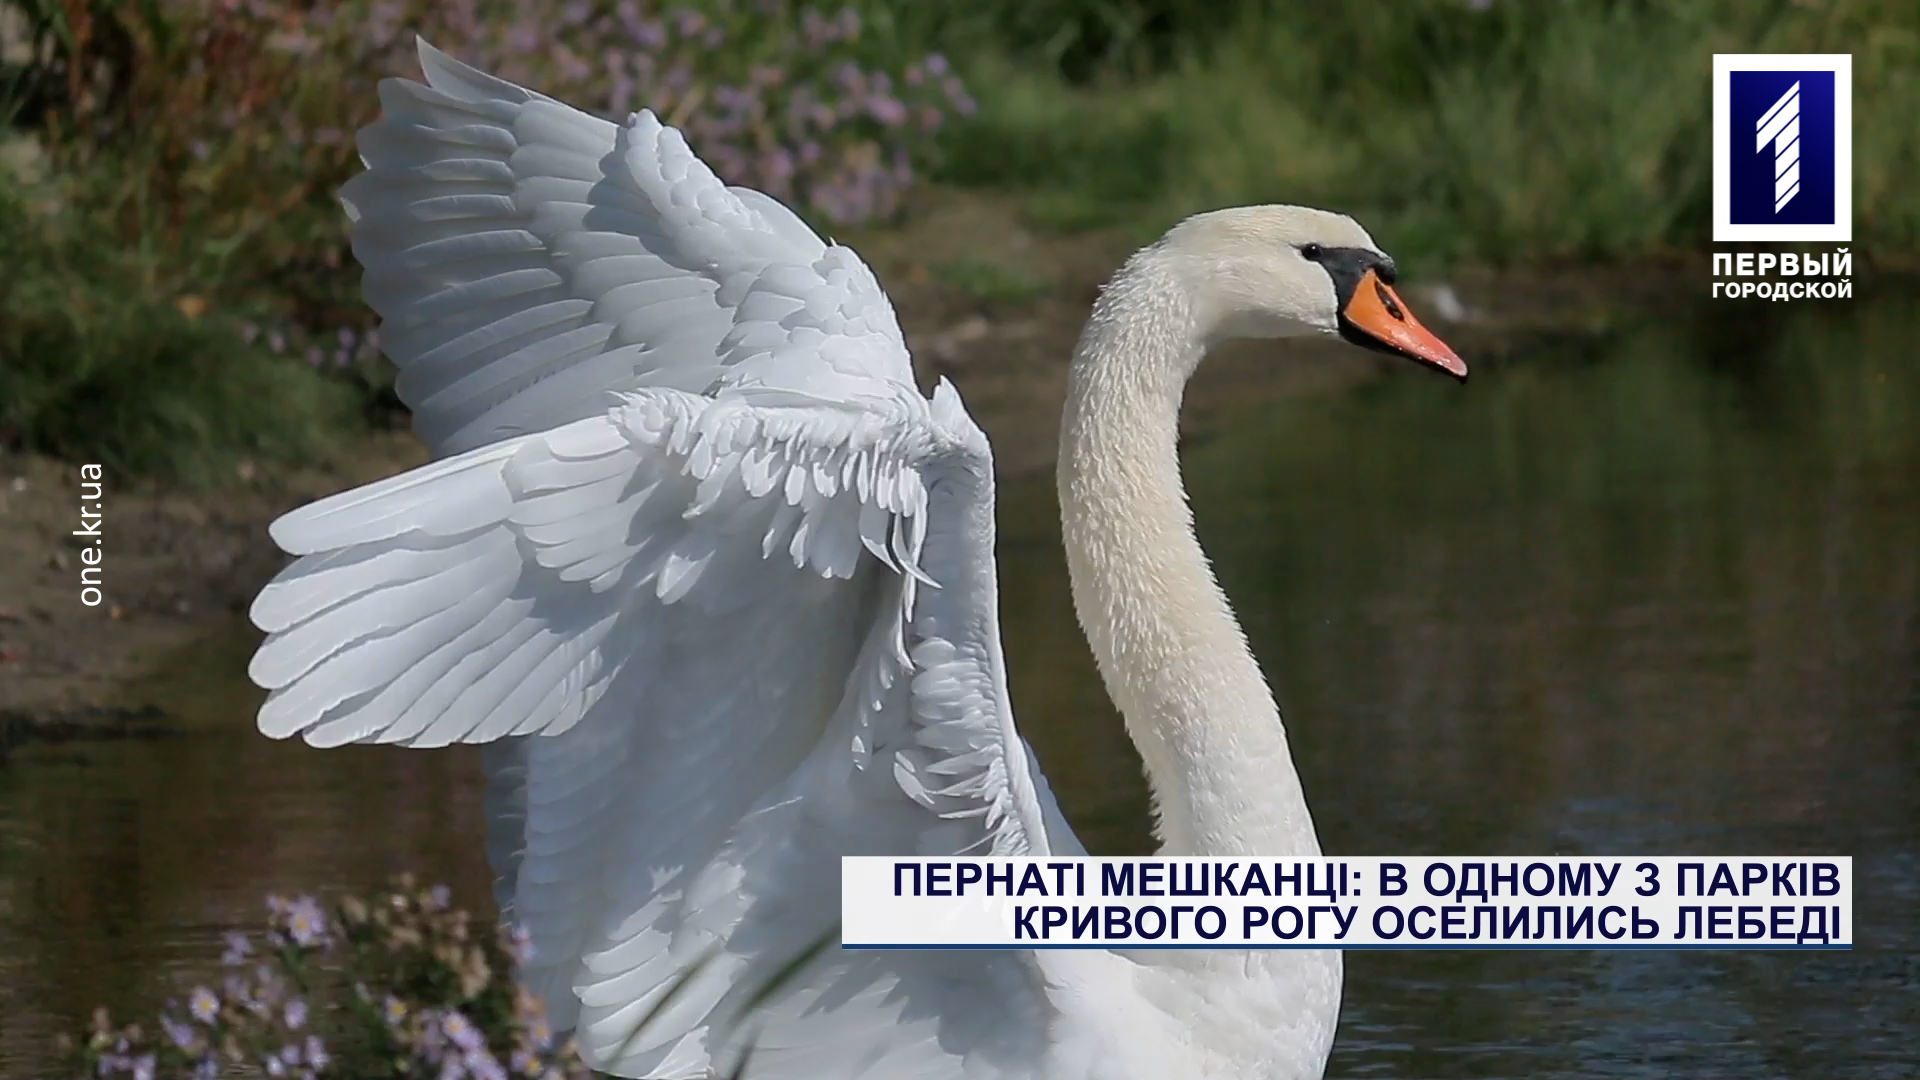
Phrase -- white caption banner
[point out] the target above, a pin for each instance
(1369, 902)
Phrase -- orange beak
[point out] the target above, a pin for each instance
(1376, 317)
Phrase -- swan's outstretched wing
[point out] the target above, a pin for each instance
(526, 258)
(733, 624)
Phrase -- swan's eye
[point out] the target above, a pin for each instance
(1310, 252)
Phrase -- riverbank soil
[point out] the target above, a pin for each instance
(983, 300)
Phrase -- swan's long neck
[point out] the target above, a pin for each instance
(1172, 655)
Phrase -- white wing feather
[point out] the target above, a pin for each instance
(526, 258)
(711, 577)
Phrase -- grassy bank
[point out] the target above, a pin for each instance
(99, 362)
(189, 296)
(1497, 133)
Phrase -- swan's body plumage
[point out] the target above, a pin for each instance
(714, 583)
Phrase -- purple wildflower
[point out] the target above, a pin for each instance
(779, 164)
(958, 97)
(181, 1035)
(238, 947)
(203, 1005)
(620, 95)
(296, 1014)
(539, 1032)
(484, 1066)
(461, 1032)
(317, 1056)
(306, 922)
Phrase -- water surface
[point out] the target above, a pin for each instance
(1653, 593)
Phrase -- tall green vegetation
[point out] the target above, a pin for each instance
(1498, 131)
(192, 150)
(99, 363)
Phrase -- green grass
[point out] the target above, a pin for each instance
(97, 365)
(990, 282)
(1527, 132)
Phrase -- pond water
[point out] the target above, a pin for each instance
(1657, 592)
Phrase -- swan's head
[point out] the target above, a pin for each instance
(1281, 271)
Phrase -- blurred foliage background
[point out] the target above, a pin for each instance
(179, 290)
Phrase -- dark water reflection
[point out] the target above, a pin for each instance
(1654, 594)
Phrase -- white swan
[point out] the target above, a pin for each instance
(716, 585)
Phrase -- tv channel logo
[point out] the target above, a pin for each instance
(1782, 147)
